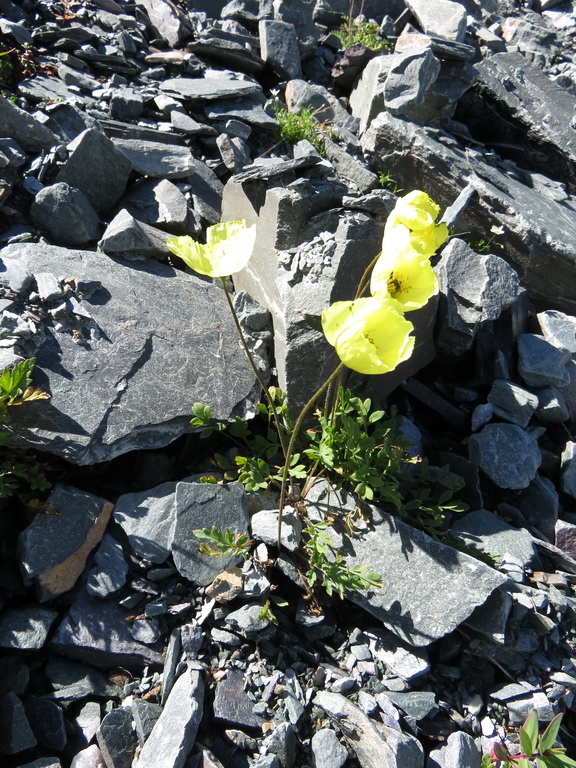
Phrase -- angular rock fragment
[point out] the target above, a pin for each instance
(507, 454)
(442, 18)
(47, 722)
(232, 704)
(26, 628)
(65, 214)
(154, 159)
(484, 531)
(15, 732)
(117, 739)
(125, 236)
(54, 548)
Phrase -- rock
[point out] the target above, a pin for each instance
(146, 715)
(72, 681)
(349, 167)
(98, 631)
(408, 80)
(376, 745)
(559, 329)
(26, 628)
(88, 721)
(202, 505)
(458, 752)
(110, 568)
(512, 403)
(65, 214)
(91, 757)
(552, 407)
(282, 743)
(101, 402)
(125, 236)
(126, 104)
(155, 159)
(96, 168)
(264, 525)
(44, 762)
(47, 723)
(539, 505)
(226, 586)
(407, 663)
(232, 703)
(568, 467)
(416, 704)
(248, 619)
(169, 20)
(566, 537)
(208, 88)
(484, 531)
(18, 124)
(159, 203)
(327, 751)
(279, 45)
(442, 18)
(174, 734)
(116, 738)
(54, 548)
(508, 455)
(541, 363)
(405, 605)
(326, 108)
(15, 732)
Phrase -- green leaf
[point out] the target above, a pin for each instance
(549, 736)
(559, 761)
(529, 733)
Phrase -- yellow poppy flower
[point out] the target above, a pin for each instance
(416, 210)
(228, 249)
(403, 273)
(370, 335)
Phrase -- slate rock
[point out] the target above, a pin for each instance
(248, 619)
(282, 743)
(18, 124)
(54, 548)
(539, 505)
(228, 53)
(326, 108)
(327, 751)
(559, 329)
(159, 203)
(379, 746)
(459, 752)
(14, 674)
(232, 704)
(116, 738)
(416, 704)
(264, 525)
(202, 505)
(154, 159)
(87, 722)
(91, 757)
(429, 588)
(47, 722)
(507, 454)
(15, 732)
(408, 80)
(65, 214)
(98, 631)
(125, 236)
(43, 762)
(208, 88)
(568, 467)
(26, 628)
(110, 568)
(126, 104)
(146, 715)
(482, 530)
(96, 168)
(72, 681)
(441, 18)
(566, 537)
(174, 734)
(279, 46)
(541, 363)
(552, 406)
(511, 402)
(101, 402)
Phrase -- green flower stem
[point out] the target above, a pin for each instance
(255, 369)
(292, 442)
(364, 282)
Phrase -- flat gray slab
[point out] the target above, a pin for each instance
(158, 341)
(429, 587)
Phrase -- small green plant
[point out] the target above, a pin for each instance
(365, 32)
(484, 245)
(16, 389)
(388, 182)
(297, 126)
(538, 751)
(223, 542)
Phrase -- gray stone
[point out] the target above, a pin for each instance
(47, 722)
(65, 214)
(175, 731)
(149, 518)
(349, 167)
(154, 159)
(568, 467)
(101, 402)
(87, 721)
(539, 505)
(407, 663)
(125, 236)
(367, 97)
(15, 276)
(43, 762)
(248, 619)
(426, 158)
(76, 78)
(159, 203)
(98, 631)
(282, 743)
(72, 681)
(14, 674)
(201, 505)
(379, 746)
(146, 631)
(559, 329)
(248, 110)
(490, 619)
(54, 548)
(232, 703)
(96, 168)
(429, 588)
(566, 537)
(228, 53)
(326, 108)
(234, 152)
(537, 113)
(484, 531)
(408, 80)
(146, 715)
(327, 751)
(169, 20)
(91, 757)
(512, 403)
(116, 738)
(279, 46)
(183, 123)
(206, 191)
(208, 88)
(552, 407)
(541, 363)
(15, 732)
(110, 568)
(26, 628)
(416, 704)
(459, 752)
(441, 18)
(126, 104)
(264, 525)
(48, 286)
(508, 455)
(18, 124)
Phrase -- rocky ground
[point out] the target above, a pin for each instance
(124, 123)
